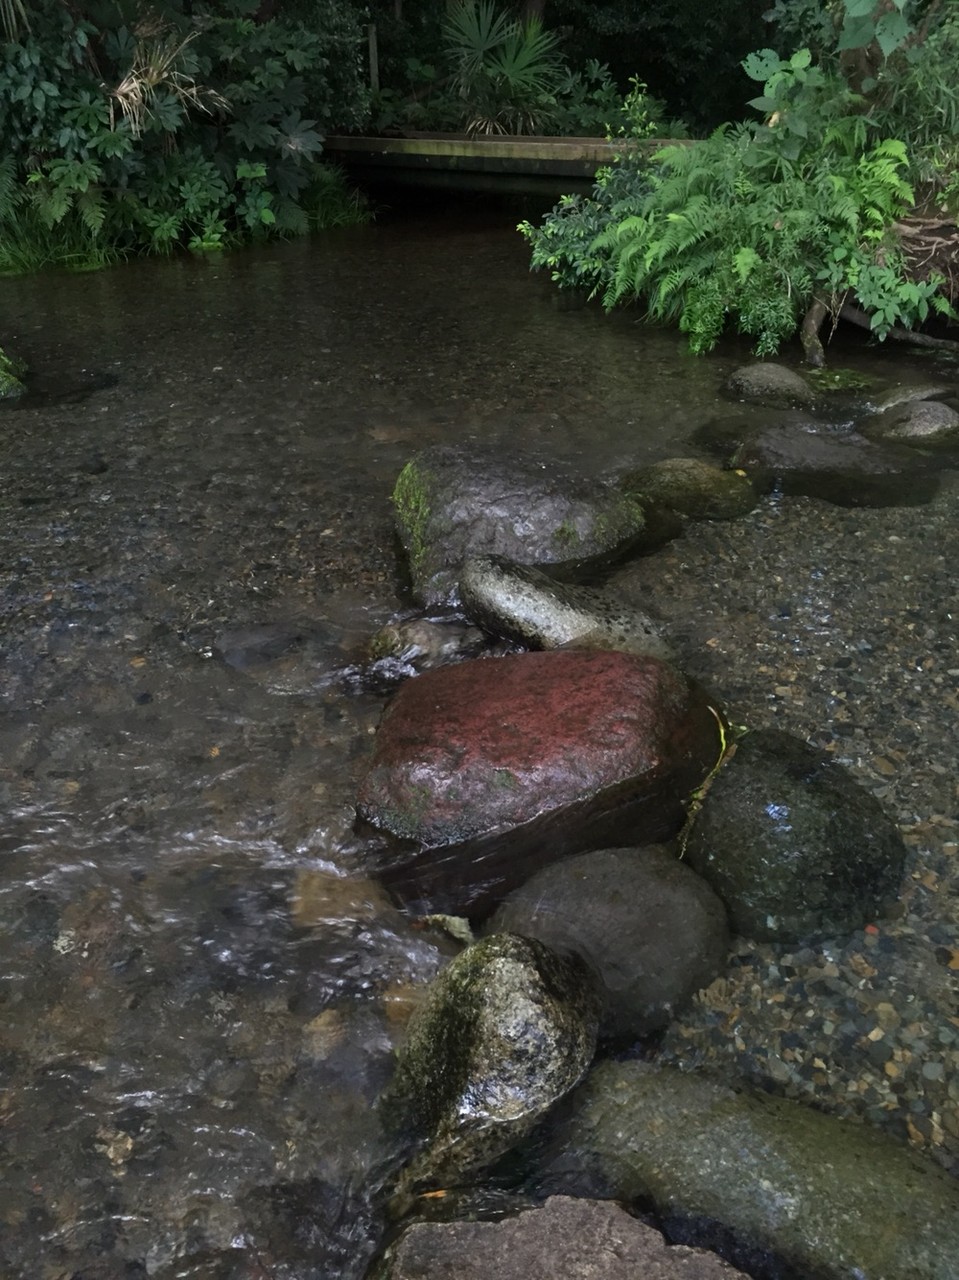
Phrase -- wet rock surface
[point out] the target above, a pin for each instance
(493, 768)
(804, 456)
(506, 1030)
(527, 606)
(410, 646)
(926, 423)
(792, 845)
(771, 385)
(653, 930)
(692, 488)
(578, 1239)
(830, 1198)
(453, 502)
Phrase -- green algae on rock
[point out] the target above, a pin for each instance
(507, 1029)
(832, 1198)
(453, 501)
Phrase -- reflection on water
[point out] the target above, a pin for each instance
(195, 545)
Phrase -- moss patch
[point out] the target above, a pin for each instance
(413, 513)
(837, 379)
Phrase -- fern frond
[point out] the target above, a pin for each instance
(91, 207)
(9, 192)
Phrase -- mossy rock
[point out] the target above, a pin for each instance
(452, 502)
(692, 488)
(507, 1029)
(831, 1198)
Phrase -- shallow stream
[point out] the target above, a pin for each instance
(200, 992)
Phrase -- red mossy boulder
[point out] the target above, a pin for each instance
(483, 772)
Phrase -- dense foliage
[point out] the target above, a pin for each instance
(130, 127)
(773, 225)
(483, 69)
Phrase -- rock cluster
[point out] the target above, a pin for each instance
(600, 806)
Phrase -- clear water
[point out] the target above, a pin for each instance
(200, 991)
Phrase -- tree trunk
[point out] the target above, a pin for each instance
(809, 333)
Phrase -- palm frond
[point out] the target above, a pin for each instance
(14, 19)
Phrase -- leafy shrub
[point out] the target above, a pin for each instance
(179, 130)
(755, 223)
(568, 243)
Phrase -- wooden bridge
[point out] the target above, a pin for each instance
(493, 163)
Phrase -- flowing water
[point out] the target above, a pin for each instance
(200, 990)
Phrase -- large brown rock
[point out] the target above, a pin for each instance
(488, 770)
(565, 1237)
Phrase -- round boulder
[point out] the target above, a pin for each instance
(452, 502)
(928, 423)
(654, 930)
(793, 846)
(771, 385)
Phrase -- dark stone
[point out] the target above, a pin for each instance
(772, 385)
(792, 844)
(800, 455)
(453, 502)
(693, 488)
(832, 1198)
(490, 769)
(507, 1028)
(654, 931)
(926, 423)
(245, 647)
(567, 1237)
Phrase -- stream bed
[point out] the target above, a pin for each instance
(201, 990)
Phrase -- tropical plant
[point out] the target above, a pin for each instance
(506, 73)
(187, 127)
(762, 221)
(13, 18)
(769, 226)
(568, 242)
